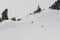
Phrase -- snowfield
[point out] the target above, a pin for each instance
(45, 26)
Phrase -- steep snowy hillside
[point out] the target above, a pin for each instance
(45, 26)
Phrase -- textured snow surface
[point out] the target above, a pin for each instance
(46, 26)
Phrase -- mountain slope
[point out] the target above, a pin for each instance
(45, 26)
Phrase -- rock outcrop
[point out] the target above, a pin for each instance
(38, 10)
(56, 5)
(5, 14)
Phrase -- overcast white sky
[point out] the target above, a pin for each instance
(20, 8)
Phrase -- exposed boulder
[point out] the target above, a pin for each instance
(30, 14)
(5, 14)
(18, 19)
(38, 10)
(32, 22)
(56, 5)
(13, 19)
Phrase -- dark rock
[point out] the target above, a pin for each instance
(32, 22)
(13, 19)
(42, 26)
(56, 5)
(38, 10)
(30, 14)
(5, 14)
(18, 19)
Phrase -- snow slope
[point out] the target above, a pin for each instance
(46, 26)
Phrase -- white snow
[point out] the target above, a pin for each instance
(45, 26)
(50, 20)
